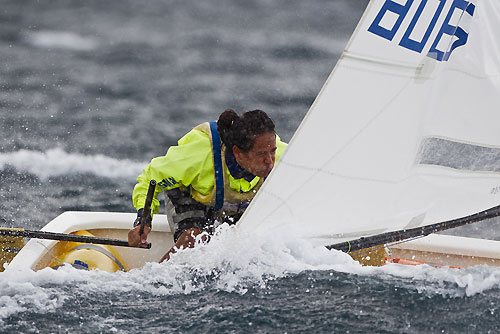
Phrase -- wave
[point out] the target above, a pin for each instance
(233, 262)
(61, 40)
(56, 162)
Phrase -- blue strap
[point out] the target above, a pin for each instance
(219, 177)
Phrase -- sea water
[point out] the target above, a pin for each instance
(239, 283)
(92, 90)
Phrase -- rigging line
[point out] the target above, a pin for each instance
(50, 250)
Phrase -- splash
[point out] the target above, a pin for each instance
(56, 162)
(242, 260)
(234, 262)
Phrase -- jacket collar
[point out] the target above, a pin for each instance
(236, 171)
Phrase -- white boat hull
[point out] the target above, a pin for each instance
(38, 254)
(454, 251)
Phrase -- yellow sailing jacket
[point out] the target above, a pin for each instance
(190, 166)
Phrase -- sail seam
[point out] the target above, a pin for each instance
(320, 170)
(377, 61)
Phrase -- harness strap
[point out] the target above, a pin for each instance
(219, 177)
(100, 250)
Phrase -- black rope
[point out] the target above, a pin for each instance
(64, 237)
(395, 236)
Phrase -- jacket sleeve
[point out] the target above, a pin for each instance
(187, 164)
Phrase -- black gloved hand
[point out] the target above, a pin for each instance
(137, 221)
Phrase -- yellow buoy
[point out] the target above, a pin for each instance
(88, 256)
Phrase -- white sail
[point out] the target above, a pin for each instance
(405, 132)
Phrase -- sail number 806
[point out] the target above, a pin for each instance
(396, 12)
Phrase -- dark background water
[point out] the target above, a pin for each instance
(127, 79)
(124, 80)
(309, 302)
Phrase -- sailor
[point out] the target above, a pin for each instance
(210, 177)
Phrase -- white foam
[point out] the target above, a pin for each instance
(24, 292)
(61, 40)
(56, 162)
(233, 261)
(242, 259)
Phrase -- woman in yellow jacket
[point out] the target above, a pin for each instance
(210, 177)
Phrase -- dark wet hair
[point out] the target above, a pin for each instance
(241, 131)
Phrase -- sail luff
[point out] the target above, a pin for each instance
(355, 162)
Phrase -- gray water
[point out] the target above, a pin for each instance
(92, 90)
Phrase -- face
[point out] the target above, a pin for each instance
(260, 159)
